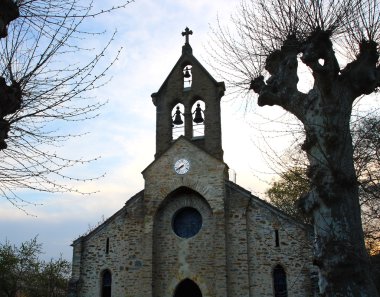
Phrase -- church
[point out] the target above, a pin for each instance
(192, 231)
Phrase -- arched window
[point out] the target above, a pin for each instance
(178, 121)
(106, 283)
(187, 77)
(187, 288)
(279, 282)
(198, 118)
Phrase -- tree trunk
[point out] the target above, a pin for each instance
(333, 201)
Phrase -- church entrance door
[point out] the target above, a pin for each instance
(187, 288)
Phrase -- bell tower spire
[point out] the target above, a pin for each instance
(189, 101)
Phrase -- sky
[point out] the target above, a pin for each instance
(149, 33)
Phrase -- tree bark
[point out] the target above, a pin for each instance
(333, 201)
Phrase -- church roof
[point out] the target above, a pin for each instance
(183, 138)
(102, 225)
(230, 186)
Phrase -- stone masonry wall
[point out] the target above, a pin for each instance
(124, 257)
(293, 253)
(176, 258)
(233, 254)
(205, 177)
(237, 244)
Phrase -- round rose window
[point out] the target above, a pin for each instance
(187, 222)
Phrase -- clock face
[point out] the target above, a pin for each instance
(182, 166)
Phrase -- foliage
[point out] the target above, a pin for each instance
(23, 272)
(285, 191)
(48, 81)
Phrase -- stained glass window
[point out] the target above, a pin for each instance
(187, 222)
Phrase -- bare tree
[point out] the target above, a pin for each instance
(43, 85)
(338, 40)
(366, 140)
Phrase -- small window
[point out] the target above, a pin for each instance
(279, 282)
(277, 238)
(106, 283)
(107, 245)
(187, 222)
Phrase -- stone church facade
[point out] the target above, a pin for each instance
(191, 231)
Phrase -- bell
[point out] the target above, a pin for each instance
(177, 117)
(187, 73)
(198, 115)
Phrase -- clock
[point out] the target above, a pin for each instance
(182, 166)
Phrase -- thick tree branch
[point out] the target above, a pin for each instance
(362, 76)
(10, 102)
(8, 12)
(319, 56)
(281, 88)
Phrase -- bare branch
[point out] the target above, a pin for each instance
(43, 83)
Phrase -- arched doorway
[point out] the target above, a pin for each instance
(187, 288)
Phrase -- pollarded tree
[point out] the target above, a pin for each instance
(47, 79)
(338, 40)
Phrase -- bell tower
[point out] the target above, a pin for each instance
(188, 104)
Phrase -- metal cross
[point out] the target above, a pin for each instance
(187, 33)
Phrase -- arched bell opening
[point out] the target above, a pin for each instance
(178, 121)
(187, 77)
(198, 115)
(187, 288)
